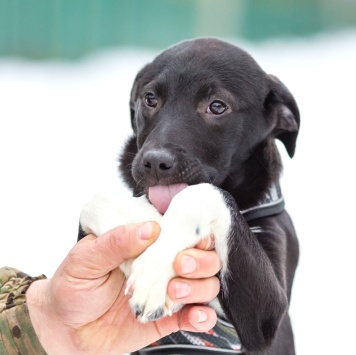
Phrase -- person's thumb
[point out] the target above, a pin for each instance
(93, 257)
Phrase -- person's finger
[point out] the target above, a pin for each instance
(196, 263)
(206, 243)
(193, 291)
(197, 318)
(193, 318)
(105, 253)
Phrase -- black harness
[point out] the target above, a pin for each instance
(272, 204)
(223, 338)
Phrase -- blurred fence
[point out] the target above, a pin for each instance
(72, 28)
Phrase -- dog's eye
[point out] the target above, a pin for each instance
(217, 107)
(151, 100)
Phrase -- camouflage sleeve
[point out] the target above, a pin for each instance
(17, 335)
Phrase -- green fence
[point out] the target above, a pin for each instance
(72, 28)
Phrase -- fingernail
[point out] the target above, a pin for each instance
(145, 231)
(189, 264)
(202, 316)
(210, 243)
(182, 289)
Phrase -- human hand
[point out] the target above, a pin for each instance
(82, 309)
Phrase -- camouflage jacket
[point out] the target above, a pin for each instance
(17, 336)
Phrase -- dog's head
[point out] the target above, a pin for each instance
(200, 110)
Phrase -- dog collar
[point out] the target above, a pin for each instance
(271, 204)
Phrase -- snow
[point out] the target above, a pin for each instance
(63, 123)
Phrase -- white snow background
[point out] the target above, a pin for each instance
(63, 123)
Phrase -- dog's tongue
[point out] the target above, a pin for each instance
(161, 196)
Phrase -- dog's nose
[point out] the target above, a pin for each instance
(158, 162)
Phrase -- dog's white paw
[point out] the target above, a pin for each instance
(182, 227)
(110, 209)
(147, 285)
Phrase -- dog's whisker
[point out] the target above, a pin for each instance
(127, 167)
(207, 177)
(130, 154)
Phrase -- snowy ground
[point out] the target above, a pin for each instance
(62, 124)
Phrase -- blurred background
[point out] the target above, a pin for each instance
(66, 70)
(70, 29)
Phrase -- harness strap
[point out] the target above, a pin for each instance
(272, 204)
(183, 350)
(220, 340)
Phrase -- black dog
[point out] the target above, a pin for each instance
(205, 117)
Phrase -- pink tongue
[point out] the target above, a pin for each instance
(161, 196)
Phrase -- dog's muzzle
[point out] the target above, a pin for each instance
(167, 166)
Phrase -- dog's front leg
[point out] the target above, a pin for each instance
(195, 213)
(255, 298)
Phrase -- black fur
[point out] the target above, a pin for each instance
(179, 140)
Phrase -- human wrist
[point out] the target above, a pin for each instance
(53, 334)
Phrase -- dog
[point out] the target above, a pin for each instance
(203, 161)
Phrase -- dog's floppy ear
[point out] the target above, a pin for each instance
(134, 96)
(282, 109)
(133, 99)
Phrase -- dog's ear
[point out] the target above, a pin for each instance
(134, 96)
(133, 99)
(283, 111)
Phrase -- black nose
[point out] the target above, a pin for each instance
(158, 162)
